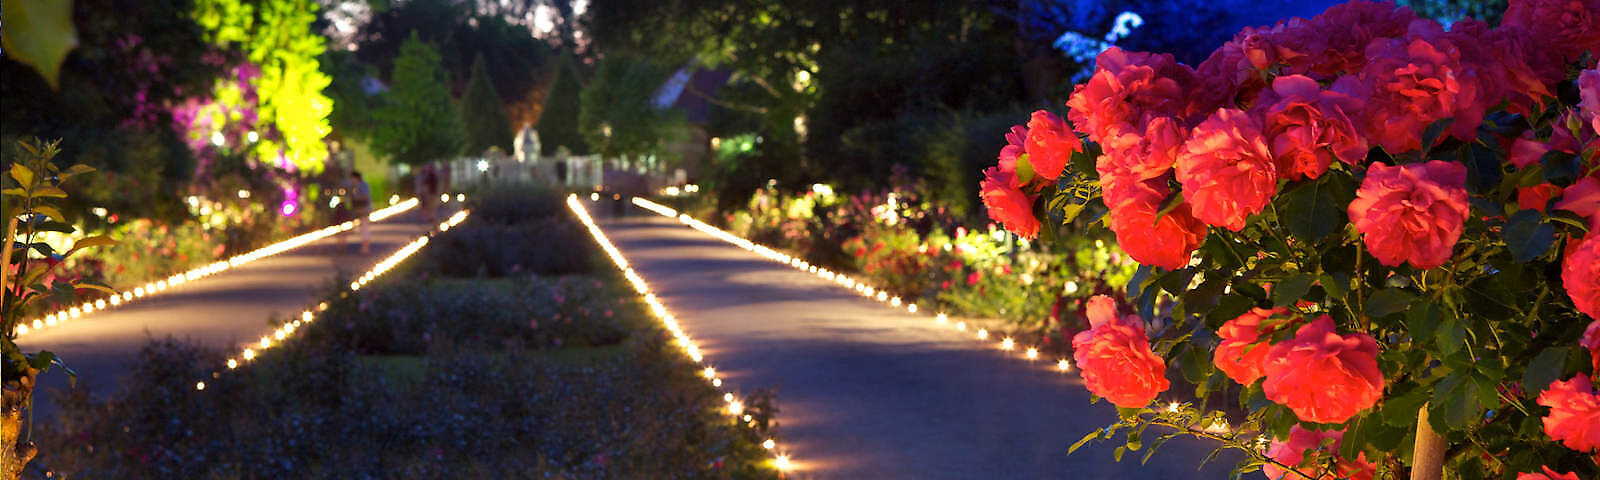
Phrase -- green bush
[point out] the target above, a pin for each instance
(545, 247)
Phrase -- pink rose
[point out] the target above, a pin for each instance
(1322, 376)
(1547, 475)
(1591, 341)
(1166, 242)
(1566, 28)
(1050, 144)
(1574, 418)
(1115, 358)
(1239, 355)
(1226, 170)
(1580, 275)
(1411, 213)
(1007, 204)
(1320, 444)
(1308, 127)
(1589, 93)
(1411, 84)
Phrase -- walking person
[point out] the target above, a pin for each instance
(360, 206)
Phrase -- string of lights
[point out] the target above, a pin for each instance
(275, 338)
(1010, 346)
(735, 407)
(159, 286)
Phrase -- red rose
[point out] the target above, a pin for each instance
(1016, 145)
(1547, 475)
(1574, 418)
(1127, 89)
(1115, 358)
(1239, 355)
(1411, 213)
(1165, 242)
(1148, 153)
(1337, 39)
(1308, 126)
(1537, 196)
(1411, 84)
(1226, 170)
(1526, 151)
(1322, 376)
(1301, 442)
(1007, 204)
(1580, 275)
(1566, 28)
(1050, 144)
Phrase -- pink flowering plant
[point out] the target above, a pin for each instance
(1379, 232)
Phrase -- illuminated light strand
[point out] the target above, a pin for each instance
(306, 317)
(735, 408)
(1008, 344)
(1029, 353)
(213, 268)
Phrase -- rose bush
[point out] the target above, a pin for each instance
(1379, 232)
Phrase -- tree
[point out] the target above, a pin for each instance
(558, 125)
(483, 114)
(355, 103)
(419, 124)
(618, 114)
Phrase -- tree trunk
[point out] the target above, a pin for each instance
(1427, 457)
(15, 453)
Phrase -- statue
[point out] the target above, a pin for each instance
(527, 144)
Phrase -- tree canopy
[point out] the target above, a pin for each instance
(419, 124)
(558, 124)
(483, 114)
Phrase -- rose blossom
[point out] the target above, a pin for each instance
(1574, 418)
(1580, 276)
(1016, 145)
(1537, 196)
(1582, 197)
(1007, 204)
(1411, 213)
(1148, 153)
(1526, 151)
(1226, 170)
(1589, 95)
(1050, 144)
(1301, 442)
(1166, 242)
(1322, 376)
(1564, 27)
(1338, 38)
(1411, 84)
(1126, 89)
(1308, 127)
(1115, 358)
(1239, 355)
(1547, 475)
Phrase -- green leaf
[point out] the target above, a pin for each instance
(1451, 336)
(95, 286)
(39, 34)
(21, 173)
(1096, 434)
(1560, 165)
(1527, 235)
(1292, 289)
(1229, 307)
(1430, 136)
(1025, 172)
(1315, 209)
(1455, 403)
(1401, 411)
(78, 169)
(1388, 301)
(1544, 369)
(89, 242)
(49, 211)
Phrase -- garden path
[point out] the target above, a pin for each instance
(218, 311)
(866, 391)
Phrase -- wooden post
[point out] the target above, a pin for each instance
(1427, 457)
